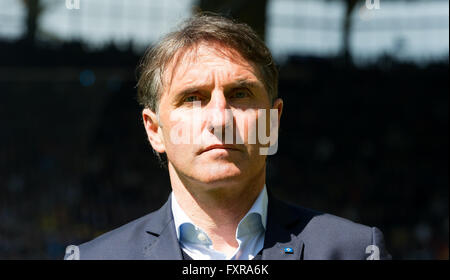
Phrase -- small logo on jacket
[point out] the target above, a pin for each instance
(288, 250)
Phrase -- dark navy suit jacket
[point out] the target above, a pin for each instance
(310, 235)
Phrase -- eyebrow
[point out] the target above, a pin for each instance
(244, 83)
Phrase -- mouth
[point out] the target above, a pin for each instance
(219, 147)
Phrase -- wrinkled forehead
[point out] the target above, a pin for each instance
(202, 53)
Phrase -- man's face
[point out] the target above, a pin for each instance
(208, 115)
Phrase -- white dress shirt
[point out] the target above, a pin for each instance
(249, 233)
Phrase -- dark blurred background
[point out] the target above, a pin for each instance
(364, 131)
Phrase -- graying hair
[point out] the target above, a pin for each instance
(203, 28)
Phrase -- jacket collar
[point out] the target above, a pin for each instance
(281, 242)
(163, 243)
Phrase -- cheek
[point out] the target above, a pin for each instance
(177, 129)
(247, 126)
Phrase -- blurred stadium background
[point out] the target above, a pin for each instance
(364, 133)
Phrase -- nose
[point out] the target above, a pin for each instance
(218, 114)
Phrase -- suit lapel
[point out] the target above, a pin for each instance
(289, 250)
(163, 242)
(281, 242)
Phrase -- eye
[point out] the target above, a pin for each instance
(240, 94)
(192, 98)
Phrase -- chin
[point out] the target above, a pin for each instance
(216, 173)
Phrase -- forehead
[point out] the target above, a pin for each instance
(201, 61)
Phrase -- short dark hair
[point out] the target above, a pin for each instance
(203, 28)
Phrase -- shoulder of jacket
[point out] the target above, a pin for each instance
(109, 243)
(321, 225)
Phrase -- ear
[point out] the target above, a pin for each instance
(278, 104)
(153, 129)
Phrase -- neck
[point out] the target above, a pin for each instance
(217, 209)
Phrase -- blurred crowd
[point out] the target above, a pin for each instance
(368, 143)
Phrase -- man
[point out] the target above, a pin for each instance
(208, 90)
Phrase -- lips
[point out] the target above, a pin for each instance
(218, 146)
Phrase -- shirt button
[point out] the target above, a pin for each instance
(201, 237)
